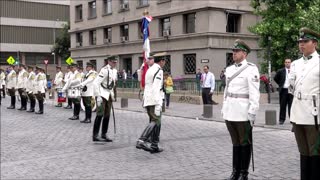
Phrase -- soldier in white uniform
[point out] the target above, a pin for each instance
(39, 88)
(304, 85)
(88, 91)
(21, 85)
(67, 76)
(30, 88)
(241, 102)
(2, 79)
(58, 83)
(104, 84)
(11, 86)
(74, 80)
(153, 101)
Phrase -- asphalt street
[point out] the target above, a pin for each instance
(50, 146)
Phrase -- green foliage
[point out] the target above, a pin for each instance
(281, 20)
(62, 43)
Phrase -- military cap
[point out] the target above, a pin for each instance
(22, 65)
(239, 44)
(30, 67)
(73, 65)
(112, 58)
(1, 69)
(89, 64)
(38, 67)
(159, 56)
(308, 34)
(58, 67)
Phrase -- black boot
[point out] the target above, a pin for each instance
(141, 143)
(88, 115)
(245, 161)
(155, 138)
(13, 103)
(58, 105)
(32, 105)
(235, 163)
(76, 112)
(314, 167)
(23, 104)
(40, 107)
(69, 104)
(104, 129)
(96, 128)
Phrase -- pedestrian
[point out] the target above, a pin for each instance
(208, 85)
(304, 84)
(74, 79)
(40, 86)
(282, 79)
(240, 105)
(124, 78)
(2, 78)
(58, 83)
(11, 86)
(223, 81)
(21, 85)
(104, 84)
(152, 101)
(3, 84)
(30, 88)
(168, 85)
(87, 91)
(66, 78)
(198, 79)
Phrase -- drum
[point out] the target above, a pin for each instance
(74, 93)
(61, 97)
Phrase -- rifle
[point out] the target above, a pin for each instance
(252, 148)
(315, 112)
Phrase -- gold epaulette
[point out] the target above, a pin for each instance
(25, 74)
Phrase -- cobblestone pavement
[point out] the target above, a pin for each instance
(51, 147)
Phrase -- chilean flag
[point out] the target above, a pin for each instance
(146, 46)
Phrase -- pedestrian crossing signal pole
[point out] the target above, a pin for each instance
(269, 68)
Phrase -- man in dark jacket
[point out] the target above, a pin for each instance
(282, 79)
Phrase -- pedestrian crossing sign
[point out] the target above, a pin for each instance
(69, 61)
(11, 60)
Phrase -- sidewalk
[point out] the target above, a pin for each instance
(193, 111)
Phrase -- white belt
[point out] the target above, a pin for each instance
(300, 96)
(235, 95)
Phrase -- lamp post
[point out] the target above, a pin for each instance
(54, 40)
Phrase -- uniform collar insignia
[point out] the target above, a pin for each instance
(238, 65)
(307, 58)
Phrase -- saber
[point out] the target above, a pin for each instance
(315, 112)
(252, 148)
(114, 119)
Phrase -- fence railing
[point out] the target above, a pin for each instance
(180, 86)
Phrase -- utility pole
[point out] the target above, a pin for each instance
(269, 68)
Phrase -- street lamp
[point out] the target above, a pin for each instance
(54, 40)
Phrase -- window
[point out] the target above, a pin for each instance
(233, 22)
(143, 3)
(140, 34)
(124, 4)
(80, 63)
(78, 39)
(107, 35)
(94, 62)
(165, 27)
(124, 32)
(189, 63)
(79, 13)
(229, 59)
(107, 6)
(93, 37)
(92, 9)
(190, 23)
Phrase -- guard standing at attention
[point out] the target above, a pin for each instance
(241, 102)
(58, 83)
(304, 85)
(21, 85)
(30, 88)
(40, 86)
(11, 86)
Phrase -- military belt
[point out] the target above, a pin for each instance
(235, 95)
(301, 96)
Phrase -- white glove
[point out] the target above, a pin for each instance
(77, 86)
(251, 118)
(99, 101)
(157, 110)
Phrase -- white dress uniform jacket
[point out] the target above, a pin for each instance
(30, 82)
(58, 80)
(245, 84)
(2, 79)
(12, 80)
(105, 78)
(73, 80)
(22, 79)
(153, 90)
(67, 76)
(304, 79)
(40, 83)
(88, 82)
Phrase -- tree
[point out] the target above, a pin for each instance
(62, 43)
(281, 20)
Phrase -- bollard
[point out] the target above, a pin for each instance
(271, 117)
(124, 102)
(207, 110)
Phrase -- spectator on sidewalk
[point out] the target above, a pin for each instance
(168, 85)
(223, 81)
(208, 85)
(282, 79)
(198, 79)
